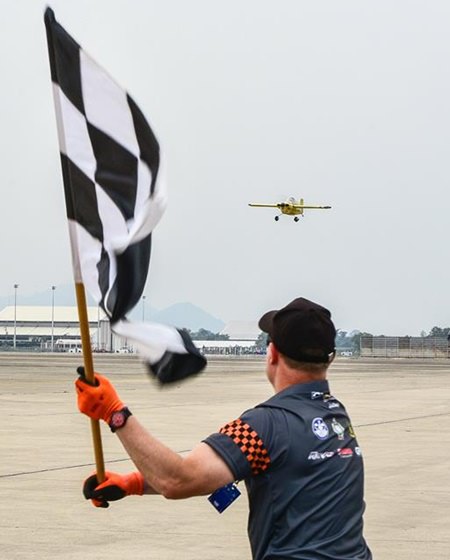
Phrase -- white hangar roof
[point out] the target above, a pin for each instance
(43, 314)
(223, 343)
(43, 331)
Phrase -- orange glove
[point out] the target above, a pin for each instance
(115, 487)
(97, 401)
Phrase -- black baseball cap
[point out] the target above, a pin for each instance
(302, 330)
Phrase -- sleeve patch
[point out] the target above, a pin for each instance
(249, 443)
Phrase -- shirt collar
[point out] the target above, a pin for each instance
(313, 390)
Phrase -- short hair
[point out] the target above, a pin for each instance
(310, 367)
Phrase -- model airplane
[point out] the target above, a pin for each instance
(291, 207)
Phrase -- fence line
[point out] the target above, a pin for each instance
(404, 347)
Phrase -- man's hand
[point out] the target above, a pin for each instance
(115, 487)
(97, 401)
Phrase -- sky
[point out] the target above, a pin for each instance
(342, 103)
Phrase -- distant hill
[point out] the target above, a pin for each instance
(188, 316)
(181, 315)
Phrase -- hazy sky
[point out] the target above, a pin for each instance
(343, 103)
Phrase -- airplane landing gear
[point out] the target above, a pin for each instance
(296, 219)
(277, 218)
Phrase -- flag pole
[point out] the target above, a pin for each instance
(89, 373)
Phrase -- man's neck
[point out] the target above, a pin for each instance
(288, 377)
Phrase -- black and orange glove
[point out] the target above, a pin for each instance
(97, 401)
(115, 487)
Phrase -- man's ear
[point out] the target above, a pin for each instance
(273, 354)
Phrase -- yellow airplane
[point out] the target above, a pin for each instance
(291, 207)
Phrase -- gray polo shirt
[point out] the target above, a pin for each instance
(303, 469)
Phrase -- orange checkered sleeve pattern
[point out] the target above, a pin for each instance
(249, 443)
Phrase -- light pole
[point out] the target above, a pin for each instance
(15, 313)
(143, 308)
(98, 328)
(53, 311)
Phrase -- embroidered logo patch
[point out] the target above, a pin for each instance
(319, 428)
(338, 429)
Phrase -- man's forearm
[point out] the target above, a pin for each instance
(160, 466)
(200, 472)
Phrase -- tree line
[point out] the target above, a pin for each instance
(344, 339)
(204, 334)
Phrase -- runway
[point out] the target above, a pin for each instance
(400, 410)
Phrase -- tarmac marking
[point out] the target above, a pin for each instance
(52, 469)
(402, 420)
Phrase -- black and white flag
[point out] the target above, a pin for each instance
(115, 197)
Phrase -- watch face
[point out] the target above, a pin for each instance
(118, 419)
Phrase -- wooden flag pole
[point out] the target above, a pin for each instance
(89, 373)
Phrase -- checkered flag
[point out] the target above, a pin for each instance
(115, 197)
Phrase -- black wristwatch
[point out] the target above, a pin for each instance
(119, 418)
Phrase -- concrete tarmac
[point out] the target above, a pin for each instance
(400, 410)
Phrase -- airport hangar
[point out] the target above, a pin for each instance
(56, 328)
(50, 328)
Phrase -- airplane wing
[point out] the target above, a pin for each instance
(264, 205)
(304, 207)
